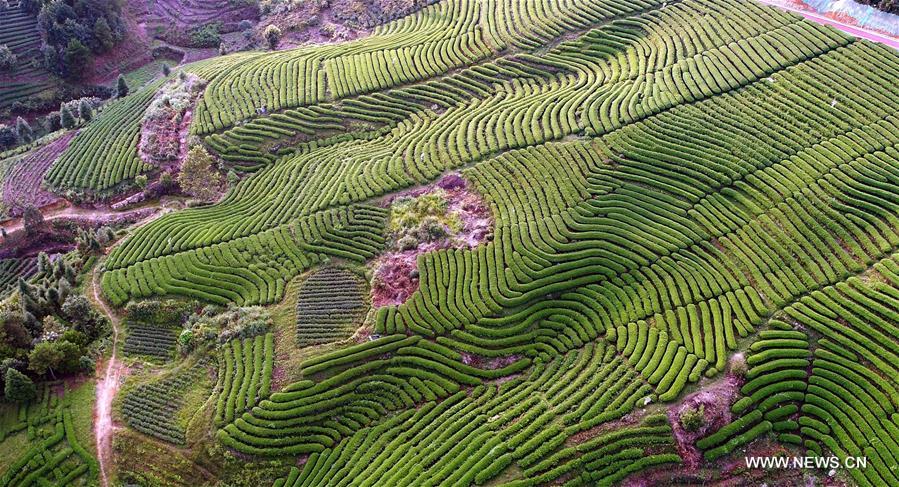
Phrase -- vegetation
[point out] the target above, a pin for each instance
(693, 245)
(199, 176)
(330, 306)
(75, 31)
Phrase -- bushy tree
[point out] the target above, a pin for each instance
(8, 136)
(166, 70)
(8, 58)
(222, 49)
(23, 130)
(85, 112)
(66, 119)
(199, 177)
(32, 221)
(121, 87)
(272, 35)
(18, 386)
(51, 357)
(87, 320)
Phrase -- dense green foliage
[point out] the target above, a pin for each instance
(670, 183)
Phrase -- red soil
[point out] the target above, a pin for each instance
(395, 275)
(717, 399)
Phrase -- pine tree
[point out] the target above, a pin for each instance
(77, 58)
(103, 34)
(121, 87)
(66, 119)
(26, 135)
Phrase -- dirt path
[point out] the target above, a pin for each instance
(115, 370)
(847, 28)
(107, 387)
(66, 210)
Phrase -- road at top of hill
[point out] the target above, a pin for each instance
(847, 28)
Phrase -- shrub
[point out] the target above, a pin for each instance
(66, 119)
(121, 87)
(85, 112)
(207, 35)
(272, 35)
(692, 419)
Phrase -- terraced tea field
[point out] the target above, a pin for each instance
(631, 242)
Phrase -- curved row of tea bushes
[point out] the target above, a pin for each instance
(245, 375)
(251, 270)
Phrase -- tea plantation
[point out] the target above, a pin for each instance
(685, 204)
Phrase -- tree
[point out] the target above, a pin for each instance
(19, 387)
(121, 87)
(272, 35)
(103, 34)
(7, 58)
(166, 70)
(85, 111)
(15, 329)
(51, 59)
(23, 129)
(51, 357)
(46, 357)
(32, 221)
(198, 176)
(222, 49)
(8, 136)
(77, 58)
(66, 119)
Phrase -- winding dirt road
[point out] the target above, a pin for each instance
(847, 28)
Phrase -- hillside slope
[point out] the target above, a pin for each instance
(693, 203)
